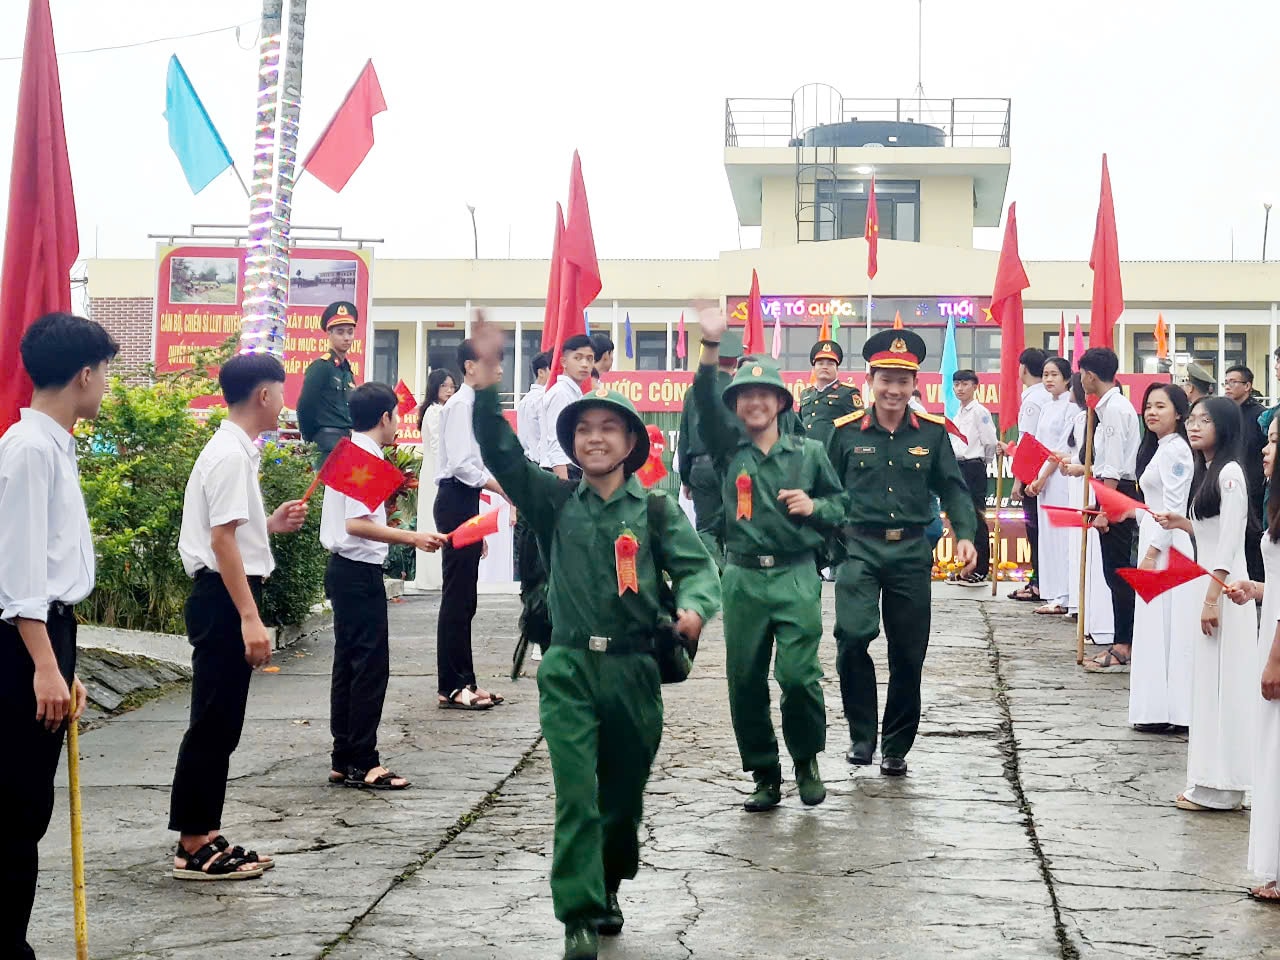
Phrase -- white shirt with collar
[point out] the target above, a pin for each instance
(1034, 399)
(223, 488)
(1116, 438)
(459, 454)
(46, 545)
(529, 421)
(558, 396)
(339, 508)
(975, 423)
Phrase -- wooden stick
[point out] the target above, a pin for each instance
(1090, 417)
(312, 489)
(77, 839)
(995, 557)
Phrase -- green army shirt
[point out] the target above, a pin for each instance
(890, 479)
(820, 409)
(792, 463)
(689, 444)
(577, 530)
(323, 401)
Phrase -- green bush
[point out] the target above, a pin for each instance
(298, 581)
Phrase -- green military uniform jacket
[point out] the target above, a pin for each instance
(793, 463)
(820, 409)
(890, 479)
(323, 402)
(689, 444)
(577, 532)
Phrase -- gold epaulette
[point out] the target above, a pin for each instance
(849, 418)
(326, 355)
(933, 418)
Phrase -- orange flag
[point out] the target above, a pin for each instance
(1162, 338)
(474, 530)
(897, 320)
(824, 331)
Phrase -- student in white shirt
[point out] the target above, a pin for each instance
(1034, 398)
(225, 550)
(529, 409)
(357, 539)
(578, 358)
(974, 454)
(46, 567)
(460, 476)
(1052, 489)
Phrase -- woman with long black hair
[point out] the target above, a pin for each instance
(1160, 672)
(1224, 694)
(441, 385)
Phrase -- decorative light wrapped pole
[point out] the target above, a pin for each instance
(266, 279)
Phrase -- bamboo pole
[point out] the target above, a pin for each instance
(77, 838)
(1090, 417)
(998, 544)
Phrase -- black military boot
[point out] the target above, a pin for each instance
(609, 924)
(581, 943)
(768, 792)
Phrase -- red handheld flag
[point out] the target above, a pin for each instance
(1006, 308)
(360, 475)
(474, 530)
(552, 312)
(1114, 503)
(42, 240)
(753, 335)
(348, 138)
(1104, 261)
(954, 430)
(1029, 456)
(1067, 516)
(1149, 584)
(580, 271)
(653, 469)
(872, 231)
(407, 402)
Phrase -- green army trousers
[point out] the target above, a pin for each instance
(781, 606)
(708, 508)
(602, 719)
(893, 577)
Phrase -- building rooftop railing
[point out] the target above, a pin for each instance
(783, 122)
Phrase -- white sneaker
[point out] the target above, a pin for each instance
(536, 654)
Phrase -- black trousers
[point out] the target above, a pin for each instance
(455, 504)
(1117, 552)
(361, 660)
(219, 692)
(975, 478)
(1031, 516)
(31, 757)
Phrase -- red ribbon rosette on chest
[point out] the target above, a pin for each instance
(625, 549)
(653, 469)
(743, 485)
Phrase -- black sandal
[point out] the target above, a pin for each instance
(248, 856)
(202, 865)
(358, 778)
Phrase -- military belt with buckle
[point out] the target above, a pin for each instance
(768, 561)
(600, 644)
(887, 534)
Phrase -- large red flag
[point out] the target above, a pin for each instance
(552, 312)
(1006, 307)
(360, 475)
(348, 138)
(1104, 261)
(41, 241)
(579, 272)
(872, 231)
(753, 335)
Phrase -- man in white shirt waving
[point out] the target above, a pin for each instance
(46, 567)
(974, 454)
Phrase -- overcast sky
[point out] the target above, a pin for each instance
(487, 101)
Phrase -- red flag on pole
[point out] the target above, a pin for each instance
(1029, 456)
(407, 402)
(552, 312)
(1062, 334)
(1114, 503)
(1149, 584)
(1104, 261)
(897, 320)
(872, 231)
(1077, 345)
(682, 347)
(41, 240)
(580, 271)
(753, 335)
(1006, 307)
(474, 530)
(348, 138)
(1162, 338)
(824, 331)
(360, 474)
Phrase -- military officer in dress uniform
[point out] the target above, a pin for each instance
(828, 399)
(893, 461)
(323, 416)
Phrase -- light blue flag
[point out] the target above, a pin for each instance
(950, 403)
(586, 323)
(192, 135)
(630, 354)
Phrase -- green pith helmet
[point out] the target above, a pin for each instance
(731, 344)
(757, 374)
(608, 399)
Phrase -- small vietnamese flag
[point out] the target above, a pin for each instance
(360, 475)
(474, 530)
(1114, 503)
(1149, 584)
(1029, 457)
(407, 402)
(1067, 516)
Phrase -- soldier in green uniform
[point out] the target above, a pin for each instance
(323, 416)
(600, 696)
(893, 461)
(699, 474)
(782, 500)
(828, 399)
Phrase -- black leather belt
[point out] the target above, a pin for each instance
(615, 645)
(768, 561)
(887, 534)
